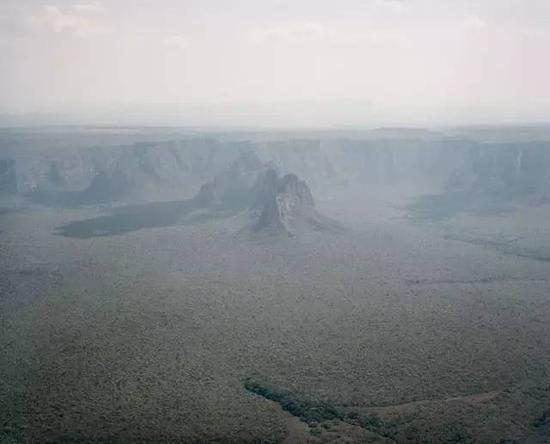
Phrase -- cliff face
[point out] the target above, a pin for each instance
(175, 170)
(231, 188)
(131, 173)
(8, 179)
(286, 204)
(505, 173)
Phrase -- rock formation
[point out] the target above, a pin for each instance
(286, 204)
(282, 204)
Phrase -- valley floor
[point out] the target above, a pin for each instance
(391, 331)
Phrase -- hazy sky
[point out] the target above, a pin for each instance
(446, 60)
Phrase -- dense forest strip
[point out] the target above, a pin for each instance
(312, 412)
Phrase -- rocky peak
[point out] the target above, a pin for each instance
(285, 204)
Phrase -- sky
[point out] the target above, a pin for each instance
(277, 62)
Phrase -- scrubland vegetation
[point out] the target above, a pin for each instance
(162, 321)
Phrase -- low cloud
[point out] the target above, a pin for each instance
(392, 5)
(94, 7)
(474, 22)
(54, 19)
(178, 41)
(292, 32)
(316, 32)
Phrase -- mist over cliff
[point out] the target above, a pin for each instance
(330, 164)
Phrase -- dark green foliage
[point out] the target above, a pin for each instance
(543, 421)
(313, 412)
(456, 433)
(307, 411)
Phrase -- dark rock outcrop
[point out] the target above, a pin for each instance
(285, 204)
(282, 204)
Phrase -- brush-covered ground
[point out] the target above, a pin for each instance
(390, 331)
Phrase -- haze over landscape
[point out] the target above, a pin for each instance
(275, 222)
(275, 63)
